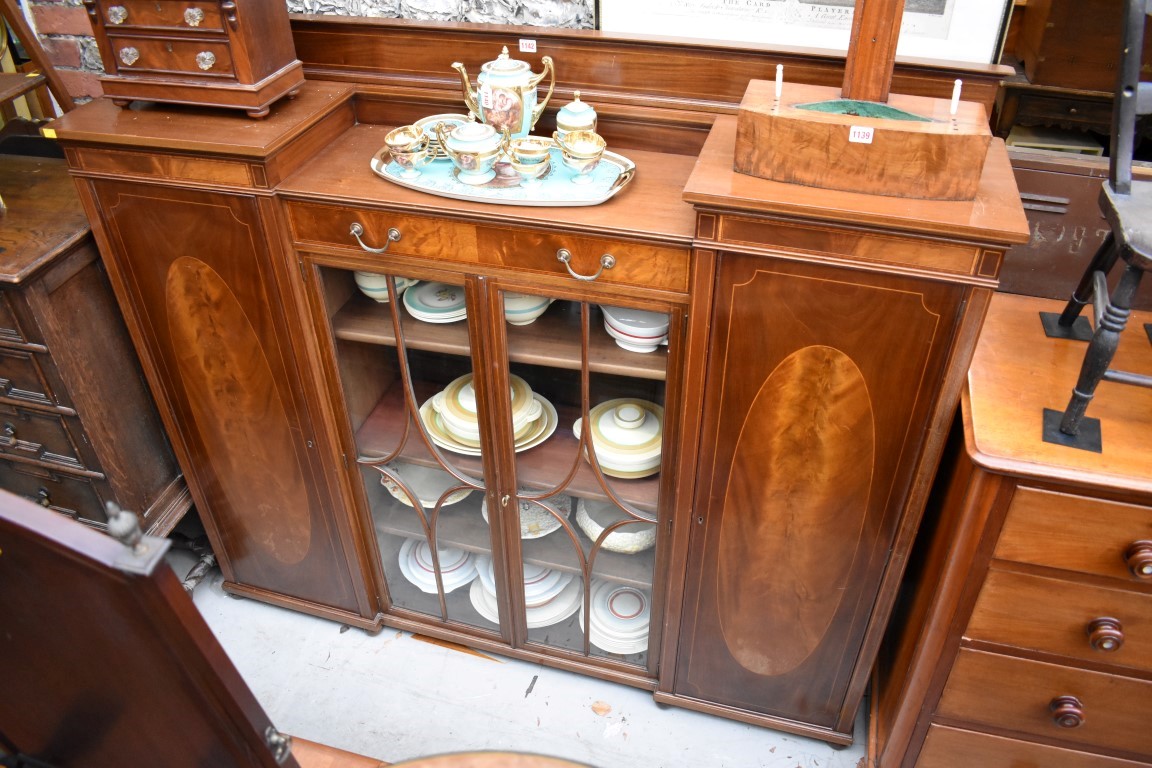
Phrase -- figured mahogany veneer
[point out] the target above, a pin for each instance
(1025, 624)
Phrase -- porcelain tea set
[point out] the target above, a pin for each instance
(496, 135)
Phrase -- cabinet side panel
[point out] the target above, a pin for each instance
(198, 278)
(819, 382)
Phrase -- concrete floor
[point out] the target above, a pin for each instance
(394, 696)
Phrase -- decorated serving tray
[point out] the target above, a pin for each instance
(555, 187)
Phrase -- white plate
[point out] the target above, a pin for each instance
(457, 567)
(544, 428)
(534, 521)
(428, 483)
(559, 608)
(484, 602)
(435, 302)
(619, 611)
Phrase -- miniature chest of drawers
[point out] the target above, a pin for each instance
(78, 427)
(220, 53)
(1026, 635)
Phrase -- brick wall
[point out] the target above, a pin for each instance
(66, 33)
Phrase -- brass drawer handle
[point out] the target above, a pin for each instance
(1067, 711)
(1105, 634)
(357, 230)
(117, 14)
(193, 17)
(129, 55)
(564, 256)
(1139, 559)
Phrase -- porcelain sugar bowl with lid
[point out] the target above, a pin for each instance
(505, 96)
(576, 115)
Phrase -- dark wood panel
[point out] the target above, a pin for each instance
(810, 423)
(200, 284)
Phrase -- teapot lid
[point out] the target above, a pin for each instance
(504, 65)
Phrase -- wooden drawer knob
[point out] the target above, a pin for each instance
(1105, 634)
(1067, 711)
(1139, 559)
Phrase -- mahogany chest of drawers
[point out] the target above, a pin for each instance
(1026, 631)
(221, 53)
(78, 427)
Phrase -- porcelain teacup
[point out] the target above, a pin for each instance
(580, 152)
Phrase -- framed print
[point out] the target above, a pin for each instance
(946, 30)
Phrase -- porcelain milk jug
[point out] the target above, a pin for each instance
(505, 95)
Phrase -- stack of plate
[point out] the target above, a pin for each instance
(627, 434)
(550, 596)
(428, 483)
(428, 126)
(436, 302)
(635, 329)
(451, 419)
(375, 286)
(620, 617)
(535, 520)
(594, 516)
(457, 567)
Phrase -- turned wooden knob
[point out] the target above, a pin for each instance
(1105, 634)
(1067, 711)
(1139, 559)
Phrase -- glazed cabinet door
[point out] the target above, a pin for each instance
(494, 514)
(581, 510)
(194, 276)
(819, 385)
(399, 347)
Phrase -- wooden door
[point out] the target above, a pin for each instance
(195, 276)
(818, 391)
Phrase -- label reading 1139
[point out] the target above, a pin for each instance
(859, 134)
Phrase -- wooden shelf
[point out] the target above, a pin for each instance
(17, 84)
(539, 468)
(552, 341)
(462, 525)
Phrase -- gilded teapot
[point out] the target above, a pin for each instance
(505, 96)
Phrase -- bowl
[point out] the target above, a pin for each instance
(535, 521)
(627, 434)
(405, 139)
(594, 516)
(456, 406)
(375, 286)
(637, 328)
(580, 151)
(524, 308)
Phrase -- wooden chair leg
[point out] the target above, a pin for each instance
(1068, 324)
(1098, 356)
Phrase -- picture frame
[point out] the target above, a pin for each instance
(970, 31)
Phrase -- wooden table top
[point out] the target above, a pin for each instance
(43, 216)
(1017, 372)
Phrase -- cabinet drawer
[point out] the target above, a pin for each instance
(1017, 694)
(1065, 618)
(1076, 533)
(166, 14)
(637, 264)
(149, 54)
(956, 748)
(1064, 112)
(63, 493)
(38, 436)
(421, 236)
(21, 379)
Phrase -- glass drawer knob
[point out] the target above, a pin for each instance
(193, 17)
(129, 55)
(117, 14)
(205, 60)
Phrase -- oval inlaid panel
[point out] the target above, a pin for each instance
(238, 410)
(796, 499)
